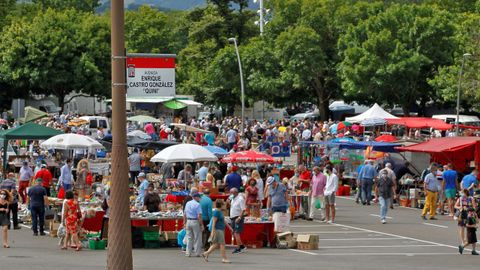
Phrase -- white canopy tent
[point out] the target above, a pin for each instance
(374, 112)
(184, 153)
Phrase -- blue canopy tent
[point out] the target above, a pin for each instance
(217, 151)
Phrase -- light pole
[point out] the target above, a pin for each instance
(457, 122)
(234, 40)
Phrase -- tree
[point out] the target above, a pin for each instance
(81, 5)
(446, 81)
(390, 57)
(57, 53)
(6, 7)
(145, 31)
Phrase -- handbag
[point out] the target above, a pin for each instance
(49, 214)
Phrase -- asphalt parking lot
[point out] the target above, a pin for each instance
(356, 241)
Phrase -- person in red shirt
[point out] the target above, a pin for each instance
(164, 134)
(304, 178)
(46, 176)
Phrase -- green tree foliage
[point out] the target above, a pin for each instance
(81, 5)
(446, 81)
(56, 53)
(6, 7)
(389, 57)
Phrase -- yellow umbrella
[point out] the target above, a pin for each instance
(282, 129)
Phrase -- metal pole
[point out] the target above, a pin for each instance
(457, 121)
(262, 20)
(119, 232)
(241, 86)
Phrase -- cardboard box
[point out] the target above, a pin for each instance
(170, 236)
(286, 239)
(53, 228)
(307, 242)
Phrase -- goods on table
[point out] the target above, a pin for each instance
(156, 215)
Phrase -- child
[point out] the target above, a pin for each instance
(471, 224)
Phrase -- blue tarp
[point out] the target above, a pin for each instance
(352, 144)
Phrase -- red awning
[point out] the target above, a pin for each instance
(457, 150)
(420, 122)
(248, 157)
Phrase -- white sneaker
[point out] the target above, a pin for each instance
(329, 222)
(384, 221)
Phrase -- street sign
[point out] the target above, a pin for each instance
(150, 75)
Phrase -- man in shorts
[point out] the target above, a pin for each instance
(450, 186)
(237, 214)
(329, 193)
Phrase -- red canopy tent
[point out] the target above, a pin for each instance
(249, 156)
(386, 138)
(456, 150)
(420, 122)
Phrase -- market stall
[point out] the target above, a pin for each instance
(462, 152)
(28, 131)
(420, 122)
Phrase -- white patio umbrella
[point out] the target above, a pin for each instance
(71, 141)
(140, 134)
(184, 153)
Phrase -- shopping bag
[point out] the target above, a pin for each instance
(281, 222)
(318, 203)
(61, 193)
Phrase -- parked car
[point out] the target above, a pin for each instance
(96, 122)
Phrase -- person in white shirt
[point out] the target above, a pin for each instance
(237, 214)
(329, 193)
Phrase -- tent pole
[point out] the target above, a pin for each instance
(411, 164)
(5, 150)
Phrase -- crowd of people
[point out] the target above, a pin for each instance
(377, 181)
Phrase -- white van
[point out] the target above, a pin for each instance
(469, 120)
(97, 121)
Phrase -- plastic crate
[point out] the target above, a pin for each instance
(152, 244)
(151, 236)
(96, 244)
(93, 235)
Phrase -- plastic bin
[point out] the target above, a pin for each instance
(151, 236)
(96, 244)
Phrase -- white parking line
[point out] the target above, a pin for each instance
(392, 246)
(358, 239)
(304, 226)
(373, 215)
(386, 254)
(436, 225)
(330, 232)
(395, 235)
(29, 227)
(302, 251)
